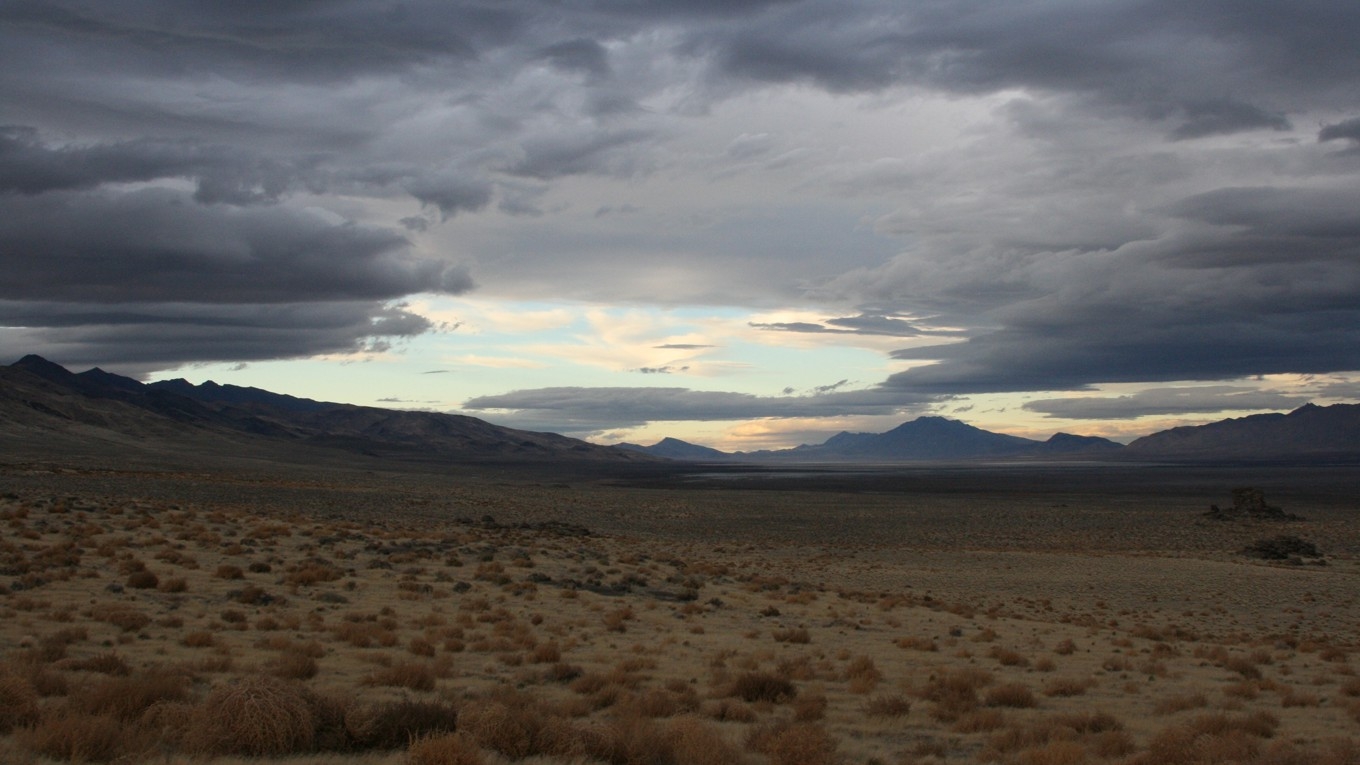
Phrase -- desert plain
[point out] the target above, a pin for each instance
(353, 613)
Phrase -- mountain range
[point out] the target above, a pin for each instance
(44, 405)
(1309, 433)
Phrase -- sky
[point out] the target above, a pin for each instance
(744, 223)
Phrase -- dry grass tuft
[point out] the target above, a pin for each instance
(888, 706)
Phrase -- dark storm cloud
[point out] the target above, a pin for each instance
(1159, 59)
(579, 55)
(160, 245)
(1348, 130)
(1167, 401)
(136, 338)
(571, 408)
(180, 152)
(321, 41)
(223, 174)
(1114, 343)
(1221, 117)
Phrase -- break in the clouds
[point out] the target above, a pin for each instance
(1022, 196)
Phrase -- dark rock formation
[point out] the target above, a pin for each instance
(1249, 504)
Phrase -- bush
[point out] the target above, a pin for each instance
(887, 706)
(762, 686)
(1014, 695)
(18, 702)
(395, 724)
(444, 749)
(143, 580)
(126, 698)
(78, 737)
(255, 716)
(416, 676)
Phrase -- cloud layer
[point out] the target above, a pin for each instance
(1030, 196)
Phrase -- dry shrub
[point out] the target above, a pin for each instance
(176, 584)
(1013, 695)
(633, 740)
(695, 743)
(508, 729)
(444, 749)
(255, 716)
(229, 572)
(1066, 686)
(310, 573)
(123, 617)
(1008, 658)
(1243, 666)
(126, 698)
(413, 675)
(953, 692)
(1179, 703)
(809, 708)
(143, 580)
(1054, 753)
(980, 721)
(731, 710)
(1065, 647)
(1210, 739)
(1351, 687)
(107, 663)
(18, 702)
(421, 646)
(793, 635)
(198, 639)
(862, 674)
(793, 743)
(395, 724)
(762, 686)
(293, 665)
(888, 706)
(81, 737)
(546, 653)
(917, 643)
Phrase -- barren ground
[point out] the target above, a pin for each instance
(1010, 615)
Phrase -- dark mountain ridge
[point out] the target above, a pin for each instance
(42, 402)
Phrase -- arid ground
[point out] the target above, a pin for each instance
(353, 614)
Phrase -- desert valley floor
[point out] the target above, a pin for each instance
(354, 614)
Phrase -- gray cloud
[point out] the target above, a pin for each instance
(1347, 130)
(863, 324)
(1167, 401)
(138, 338)
(1222, 117)
(181, 153)
(159, 245)
(572, 409)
